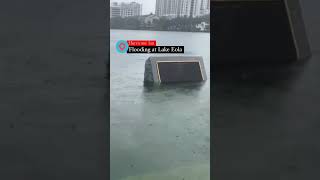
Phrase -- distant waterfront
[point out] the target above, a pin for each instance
(149, 30)
(181, 24)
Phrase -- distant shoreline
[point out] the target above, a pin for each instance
(155, 23)
(160, 30)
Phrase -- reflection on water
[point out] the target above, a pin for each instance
(158, 132)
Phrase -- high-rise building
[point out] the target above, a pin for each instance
(167, 8)
(182, 8)
(115, 10)
(131, 9)
(125, 9)
(195, 8)
(205, 7)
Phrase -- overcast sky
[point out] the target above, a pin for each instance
(148, 6)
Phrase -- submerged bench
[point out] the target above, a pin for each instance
(174, 69)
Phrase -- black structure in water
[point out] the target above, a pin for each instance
(257, 31)
(174, 69)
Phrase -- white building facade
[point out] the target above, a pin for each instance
(182, 8)
(125, 9)
(115, 10)
(205, 7)
(131, 9)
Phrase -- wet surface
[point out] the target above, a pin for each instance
(266, 117)
(158, 132)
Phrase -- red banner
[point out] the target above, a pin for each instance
(142, 42)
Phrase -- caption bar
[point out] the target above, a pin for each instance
(156, 49)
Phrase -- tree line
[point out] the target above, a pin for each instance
(162, 24)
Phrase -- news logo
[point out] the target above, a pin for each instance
(122, 46)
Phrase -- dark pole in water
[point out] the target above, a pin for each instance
(257, 31)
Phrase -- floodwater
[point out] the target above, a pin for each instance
(158, 132)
